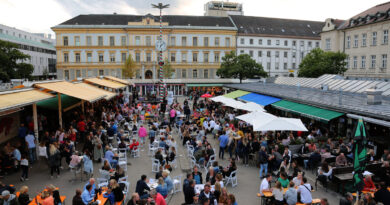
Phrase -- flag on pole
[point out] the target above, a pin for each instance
(359, 155)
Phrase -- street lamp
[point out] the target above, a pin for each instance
(161, 46)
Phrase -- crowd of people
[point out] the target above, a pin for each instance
(90, 136)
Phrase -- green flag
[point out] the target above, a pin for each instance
(359, 155)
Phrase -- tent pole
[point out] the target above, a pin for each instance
(82, 106)
(59, 110)
(35, 118)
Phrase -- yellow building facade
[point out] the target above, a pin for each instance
(95, 45)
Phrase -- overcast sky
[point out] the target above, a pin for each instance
(40, 15)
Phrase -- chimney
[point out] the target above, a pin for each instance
(374, 96)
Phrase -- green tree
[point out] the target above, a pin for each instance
(241, 67)
(128, 69)
(168, 71)
(11, 62)
(319, 62)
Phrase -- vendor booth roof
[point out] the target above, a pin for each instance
(236, 94)
(72, 90)
(10, 100)
(118, 80)
(105, 83)
(108, 94)
(52, 103)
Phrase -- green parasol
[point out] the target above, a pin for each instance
(359, 155)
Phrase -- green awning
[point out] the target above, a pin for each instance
(236, 94)
(205, 85)
(52, 103)
(307, 110)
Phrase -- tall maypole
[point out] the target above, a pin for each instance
(160, 47)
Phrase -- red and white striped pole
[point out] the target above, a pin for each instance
(161, 90)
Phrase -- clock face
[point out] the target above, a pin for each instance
(161, 45)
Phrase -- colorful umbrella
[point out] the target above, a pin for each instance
(206, 96)
(359, 155)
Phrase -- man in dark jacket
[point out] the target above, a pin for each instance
(189, 193)
(347, 200)
(206, 194)
(77, 198)
(197, 176)
(382, 195)
(141, 187)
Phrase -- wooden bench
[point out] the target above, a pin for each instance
(314, 201)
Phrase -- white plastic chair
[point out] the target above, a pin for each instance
(135, 152)
(123, 179)
(75, 170)
(126, 189)
(102, 182)
(174, 163)
(177, 184)
(152, 150)
(232, 179)
(104, 174)
(211, 160)
(155, 165)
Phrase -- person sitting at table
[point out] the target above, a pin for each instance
(116, 190)
(106, 166)
(167, 180)
(110, 196)
(119, 173)
(294, 169)
(383, 194)
(277, 192)
(217, 191)
(142, 187)
(159, 157)
(86, 196)
(370, 156)
(55, 193)
(224, 198)
(171, 154)
(197, 176)
(325, 155)
(210, 176)
(77, 200)
(298, 179)
(122, 144)
(134, 145)
(368, 199)
(314, 159)
(329, 144)
(4, 187)
(91, 182)
(384, 172)
(305, 190)
(324, 173)
(228, 170)
(312, 147)
(283, 179)
(368, 184)
(219, 179)
(158, 198)
(341, 160)
(8, 199)
(24, 198)
(385, 155)
(347, 200)
(291, 195)
(206, 193)
(265, 184)
(109, 155)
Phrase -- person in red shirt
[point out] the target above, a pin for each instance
(157, 197)
(134, 144)
(368, 184)
(81, 128)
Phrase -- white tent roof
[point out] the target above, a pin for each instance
(262, 121)
(233, 103)
(252, 107)
(219, 98)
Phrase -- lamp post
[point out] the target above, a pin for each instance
(161, 46)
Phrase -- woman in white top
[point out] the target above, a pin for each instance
(278, 193)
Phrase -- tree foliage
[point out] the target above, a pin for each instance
(11, 62)
(168, 71)
(241, 67)
(319, 62)
(128, 69)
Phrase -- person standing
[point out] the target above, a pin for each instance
(223, 141)
(54, 160)
(24, 166)
(142, 133)
(263, 158)
(305, 190)
(30, 139)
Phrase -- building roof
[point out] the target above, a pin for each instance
(378, 13)
(350, 102)
(251, 25)
(173, 20)
(14, 39)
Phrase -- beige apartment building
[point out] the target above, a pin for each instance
(365, 38)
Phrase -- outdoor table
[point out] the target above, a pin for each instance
(200, 187)
(38, 200)
(152, 183)
(104, 200)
